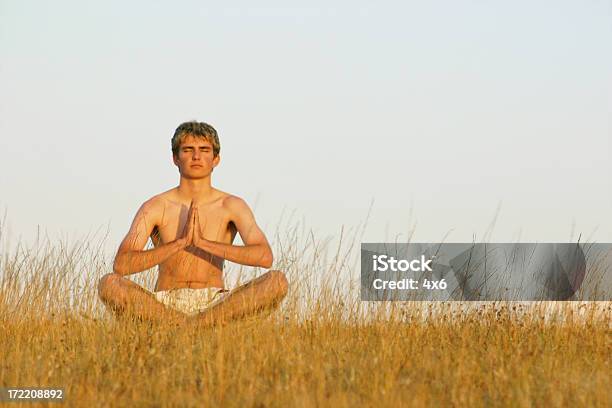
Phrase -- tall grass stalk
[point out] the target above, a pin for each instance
(324, 347)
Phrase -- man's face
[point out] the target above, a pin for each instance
(195, 158)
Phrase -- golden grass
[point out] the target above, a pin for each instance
(323, 348)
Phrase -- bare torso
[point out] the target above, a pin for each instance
(192, 267)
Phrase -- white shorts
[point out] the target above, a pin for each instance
(189, 300)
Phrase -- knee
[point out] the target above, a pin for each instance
(279, 280)
(107, 282)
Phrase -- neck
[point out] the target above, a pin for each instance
(194, 189)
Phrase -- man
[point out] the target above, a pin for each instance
(192, 228)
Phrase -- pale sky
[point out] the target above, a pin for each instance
(434, 112)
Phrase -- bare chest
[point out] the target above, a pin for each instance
(215, 224)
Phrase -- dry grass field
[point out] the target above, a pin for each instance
(322, 348)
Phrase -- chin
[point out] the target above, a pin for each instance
(195, 174)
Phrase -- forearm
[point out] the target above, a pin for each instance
(251, 255)
(130, 262)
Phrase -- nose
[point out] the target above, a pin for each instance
(196, 155)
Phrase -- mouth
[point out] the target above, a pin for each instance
(196, 165)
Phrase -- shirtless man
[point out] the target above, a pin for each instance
(192, 228)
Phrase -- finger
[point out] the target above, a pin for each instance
(186, 227)
(191, 210)
(197, 224)
(195, 213)
(190, 221)
(189, 225)
(196, 217)
(195, 221)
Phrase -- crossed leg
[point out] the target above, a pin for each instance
(258, 295)
(124, 297)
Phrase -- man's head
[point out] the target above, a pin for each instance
(195, 149)
(198, 130)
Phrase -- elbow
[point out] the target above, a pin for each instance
(267, 260)
(118, 267)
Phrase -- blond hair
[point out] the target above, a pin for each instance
(196, 129)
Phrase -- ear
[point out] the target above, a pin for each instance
(175, 159)
(216, 161)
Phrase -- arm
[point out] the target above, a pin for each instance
(255, 252)
(131, 258)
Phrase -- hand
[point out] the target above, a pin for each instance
(198, 236)
(186, 238)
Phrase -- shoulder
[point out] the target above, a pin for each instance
(155, 206)
(235, 204)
